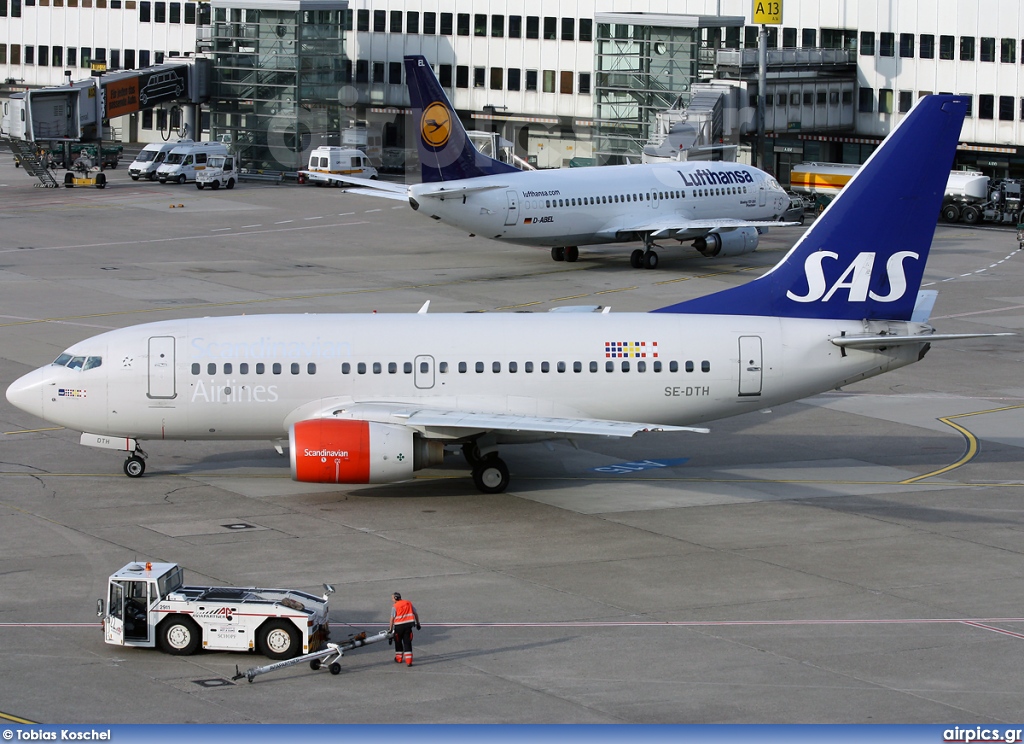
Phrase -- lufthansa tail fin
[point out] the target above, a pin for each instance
(864, 257)
(446, 152)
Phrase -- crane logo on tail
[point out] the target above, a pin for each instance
(436, 124)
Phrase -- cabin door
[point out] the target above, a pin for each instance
(161, 367)
(512, 217)
(750, 365)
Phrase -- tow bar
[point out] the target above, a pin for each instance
(329, 656)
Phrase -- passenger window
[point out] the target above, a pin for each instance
(609, 366)
(479, 367)
(443, 368)
(705, 366)
(392, 368)
(376, 368)
(195, 368)
(625, 366)
(260, 368)
(689, 366)
(243, 368)
(641, 366)
(407, 368)
(462, 366)
(424, 367)
(528, 367)
(211, 368)
(495, 367)
(276, 369)
(361, 368)
(311, 368)
(560, 367)
(295, 368)
(577, 366)
(673, 366)
(513, 367)
(346, 368)
(545, 367)
(593, 366)
(657, 366)
(227, 368)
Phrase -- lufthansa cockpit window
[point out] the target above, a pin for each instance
(78, 362)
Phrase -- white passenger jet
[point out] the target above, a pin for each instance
(372, 398)
(720, 207)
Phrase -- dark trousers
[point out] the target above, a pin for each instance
(403, 638)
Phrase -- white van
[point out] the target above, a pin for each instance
(186, 160)
(152, 157)
(339, 161)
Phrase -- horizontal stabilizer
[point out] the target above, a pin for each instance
(873, 342)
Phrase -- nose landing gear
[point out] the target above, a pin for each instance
(135, 465)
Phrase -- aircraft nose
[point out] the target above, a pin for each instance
(26, 392)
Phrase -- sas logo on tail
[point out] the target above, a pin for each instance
(855, 280)
(436, 124)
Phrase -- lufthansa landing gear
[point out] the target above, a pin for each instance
(135, 465)
(490, 473)
(569, 253)
(641, 259)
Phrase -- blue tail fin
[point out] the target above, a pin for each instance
(446, 152)
(865, 255)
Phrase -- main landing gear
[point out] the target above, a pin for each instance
(490, 473)
(135, 465)
(570, 253)
(644, 258)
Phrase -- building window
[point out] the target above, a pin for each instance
(72, 57)
(966, 48)
(885, 101)
(44, 55)
(447, 24)
(809, 38)
(3, 14)
(549, 81)
(565, 82)
(396, 22)
(906, 45)
(30, 54)
(532, 27)
(927, 46)
(986, 106)
(515, 27)
(867, 43)
(363, 20)
(497, 78)
(395, 73)
(143, 58)
(129, 59)
(160, 12)
(190, 14)
(970, 104)
(750, 37)
(380, 19)
(1021, 104)
(15, 54)
(789, 38)
(587, 29)
(585, 83)
(362, 71)
(144, 11)
(158, 58)
(1008, 50)
(462, 76)
(430, 24)
(1005, 108)
(444, 74)
(568, 29)
(808, 98)
(867, 101)
(906, 100)
(947, 47)
(479, 24)
(514, 76)
(85, 58)
(531, 80)
(479, 77)
(147, 119)
(886, 44)
(497, 26)
(115, 59)
(378, 72)
(175, 13)
(463, 25)
(550, 28)
(988, 49)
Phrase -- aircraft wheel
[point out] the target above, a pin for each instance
(650, 260)
(179, 636)
(334, 668)
(279, 639)
(134, 466)
(558, 253)
(572, 253)
(636, 259)
(951, 213)
(491, 475)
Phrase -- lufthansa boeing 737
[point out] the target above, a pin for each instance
(372, 398)
(720, 207)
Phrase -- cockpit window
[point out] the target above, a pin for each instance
(81, 363)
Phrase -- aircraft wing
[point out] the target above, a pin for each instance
(686, 229)
(453, 424)
(443, 191)
(368, 185)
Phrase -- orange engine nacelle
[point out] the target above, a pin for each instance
(343, 451)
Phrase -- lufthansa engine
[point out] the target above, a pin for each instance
(344, 451)
(725, 244)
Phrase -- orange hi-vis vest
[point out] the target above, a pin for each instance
(403, 612)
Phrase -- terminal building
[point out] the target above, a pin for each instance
(563, 82)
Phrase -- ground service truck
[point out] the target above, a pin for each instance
(148, 605)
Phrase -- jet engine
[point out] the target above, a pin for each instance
(725, 244)
(344, 451)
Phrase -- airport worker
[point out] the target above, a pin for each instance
(403, 618)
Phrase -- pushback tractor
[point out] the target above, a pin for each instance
(148, 606)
